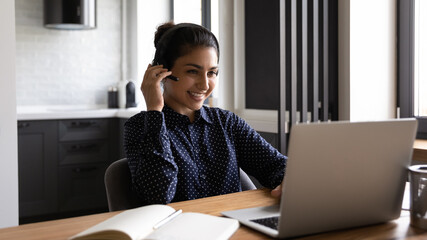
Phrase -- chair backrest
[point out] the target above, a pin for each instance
(246, 182)
(118, 185)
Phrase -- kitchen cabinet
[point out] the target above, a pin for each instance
(84, 155)
(62, 165)
(37, 164)
(81, 187)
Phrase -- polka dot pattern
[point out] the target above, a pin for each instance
(172, 159)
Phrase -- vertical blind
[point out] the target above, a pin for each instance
(308, 64)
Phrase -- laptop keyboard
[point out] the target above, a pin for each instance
(271, 222)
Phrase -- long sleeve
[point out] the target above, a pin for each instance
(256, 156)
(147, 145)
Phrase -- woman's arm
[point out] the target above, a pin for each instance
(152, 166)
(256, 156)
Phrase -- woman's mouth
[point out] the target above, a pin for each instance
(196, 95)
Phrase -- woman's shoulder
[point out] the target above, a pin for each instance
(137, 117)
(217, 111)
(135, 121)
(221, 114)
(143, 116)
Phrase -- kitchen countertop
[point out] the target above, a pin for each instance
(73, 112)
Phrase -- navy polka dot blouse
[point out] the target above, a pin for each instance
(172, 159)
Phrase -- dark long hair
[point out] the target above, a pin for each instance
(174, 41)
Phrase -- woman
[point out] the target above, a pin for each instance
(180, 149)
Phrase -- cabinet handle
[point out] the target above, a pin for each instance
(84, 169)
(23, 125)
(81, 147)
(83, 123)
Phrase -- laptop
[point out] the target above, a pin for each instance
(339, 175)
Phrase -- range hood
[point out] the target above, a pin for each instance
(70, 14)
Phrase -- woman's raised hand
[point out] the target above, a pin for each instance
(151, 88)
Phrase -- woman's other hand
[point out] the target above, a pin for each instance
(277, 192)
(151, 88)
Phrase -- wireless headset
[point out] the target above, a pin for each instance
(163, 44)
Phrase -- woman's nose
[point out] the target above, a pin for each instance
(203, 83)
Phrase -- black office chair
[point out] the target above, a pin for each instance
(118, 185)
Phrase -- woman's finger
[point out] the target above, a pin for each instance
(156, 73)
(151, 88)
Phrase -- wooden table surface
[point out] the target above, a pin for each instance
(64, 228)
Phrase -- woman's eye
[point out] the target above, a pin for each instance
(192, 71)
(212, 74)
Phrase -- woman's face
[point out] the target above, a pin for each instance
(197, 73)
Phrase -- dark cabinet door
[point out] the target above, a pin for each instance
(83, 129)
(82, 152)
(85, 151)
(81, 187)
(37, 160)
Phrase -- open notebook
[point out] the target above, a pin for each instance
(142, 223)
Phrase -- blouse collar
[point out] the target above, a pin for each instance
(200, 114)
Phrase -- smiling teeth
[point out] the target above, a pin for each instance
(196, 94)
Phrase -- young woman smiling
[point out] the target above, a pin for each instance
(180, 149)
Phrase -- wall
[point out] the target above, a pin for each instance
(63, 67)
(8, 132)
(367, 57)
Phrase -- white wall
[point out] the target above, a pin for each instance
(60, 67)
(367, 57)
(8, 130)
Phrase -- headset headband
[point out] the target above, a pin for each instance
(165, 39)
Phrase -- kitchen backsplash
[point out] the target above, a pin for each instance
(60, 67)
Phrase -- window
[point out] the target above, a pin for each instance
(412, 57)
(420, 59)
(202, 12)
(187, 11)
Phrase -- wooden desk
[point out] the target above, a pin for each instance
(420, 150)
(64, 228)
